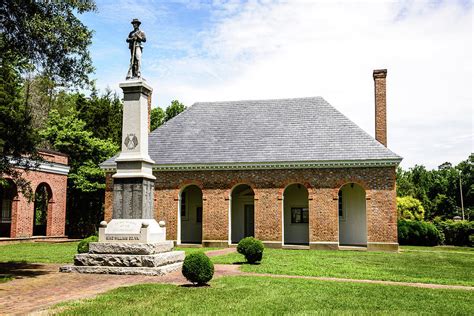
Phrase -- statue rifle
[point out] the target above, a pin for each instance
(133, 54)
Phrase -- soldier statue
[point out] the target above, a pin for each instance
(135, 40)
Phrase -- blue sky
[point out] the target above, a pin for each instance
(234, 50)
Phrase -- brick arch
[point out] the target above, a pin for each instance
(11, 193)
(235, 183)
(343, 182)
(49, 207)
(287, 183)
(187, 183)
(181, 188)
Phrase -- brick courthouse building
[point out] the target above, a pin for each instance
(291, 172)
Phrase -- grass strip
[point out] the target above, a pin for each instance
(264, 295)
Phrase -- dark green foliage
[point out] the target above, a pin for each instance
(36, 37)
(102, 115)
(457, 233)
(439, 190)
(418, 233)
(83, 246)
(17, 137)
(174, 109)
(157, 118)
(48, 35)
(198, 268)
(86, 181)
(251, 248)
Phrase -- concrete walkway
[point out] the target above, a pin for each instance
(40, 286)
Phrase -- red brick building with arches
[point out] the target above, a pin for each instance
(45, 214)
(291, 172)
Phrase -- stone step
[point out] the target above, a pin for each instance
(126, 260)
(129, 248)
(124, 270)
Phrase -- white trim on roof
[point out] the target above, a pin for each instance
(270, 165)
(46, 166)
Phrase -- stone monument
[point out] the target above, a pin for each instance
(132, 242)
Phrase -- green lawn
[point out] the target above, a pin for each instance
(194, 250)
(5, 278)
(265, 295)
(33, 252)
(438, 249)
(442, 267)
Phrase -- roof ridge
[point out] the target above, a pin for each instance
(259, 100)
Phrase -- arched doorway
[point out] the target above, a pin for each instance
(8, 194)
(296, 215)
(42, 205)
(352, 215)
(190, 213)
(242, 213)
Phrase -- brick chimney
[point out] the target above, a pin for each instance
(380, 76)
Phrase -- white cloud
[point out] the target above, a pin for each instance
(295, 49)
(264, 49)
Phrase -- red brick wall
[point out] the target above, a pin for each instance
(23, 210)
(323, 186)
(54, 157)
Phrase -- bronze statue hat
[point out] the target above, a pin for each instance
(136, 21)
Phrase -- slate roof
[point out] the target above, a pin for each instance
(282, 130)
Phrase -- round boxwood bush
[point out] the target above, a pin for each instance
(251, 248)
(83, 246)
(198, 268)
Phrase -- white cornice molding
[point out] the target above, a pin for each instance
(45, 166)
(269, 165)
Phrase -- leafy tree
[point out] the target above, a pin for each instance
(410, 208)
(439, 190)
(157, 118)
(102, 115)
(174, 109)
(86, 181)
(48, 35)
(17, 137)
(36, 37)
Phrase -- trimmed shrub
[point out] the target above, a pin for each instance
(251, 248)
(83, 245)
(456, 233)
(418, 233)
(198, 268)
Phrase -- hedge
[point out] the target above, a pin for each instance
(457, 233)
(418, 233)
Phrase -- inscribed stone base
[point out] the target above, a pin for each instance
(157, 271)
(132, 231)
(126, 260)
(131, 249)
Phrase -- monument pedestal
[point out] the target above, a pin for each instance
(129, 246)
(133, 242)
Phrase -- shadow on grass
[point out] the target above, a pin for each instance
(194, 285)
(21, 269)
(240, 263)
